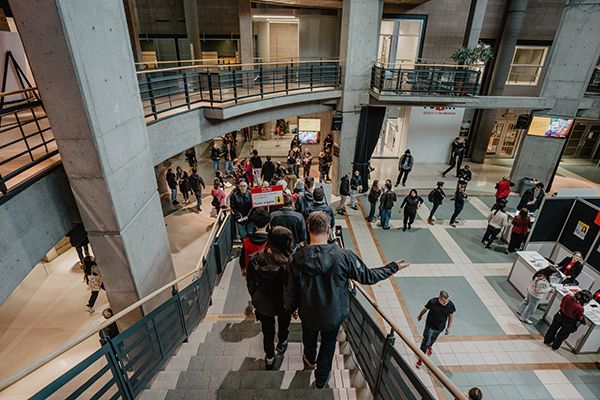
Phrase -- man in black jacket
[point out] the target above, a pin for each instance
(344, 193)
(464, 177)
(405, 165)
(268, 170)
(355, 189)
(305, 199)
(241, 206)
(197, 184)
(319, 204)
(291, 219)
(436, 196)
(257, 163)
(318, 288)
(215, 156)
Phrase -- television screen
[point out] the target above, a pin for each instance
(556, 127)
(308, 137)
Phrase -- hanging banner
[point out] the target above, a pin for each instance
(581, 230)
(267, 196)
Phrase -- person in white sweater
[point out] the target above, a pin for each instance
(497, 219)
(536, 292)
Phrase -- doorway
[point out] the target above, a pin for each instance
(584, 141)
(504, 141)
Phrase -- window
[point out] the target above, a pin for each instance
(400, 40)
(526, 65)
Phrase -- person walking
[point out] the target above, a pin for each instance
(532, 198)
(110, 331)
(320, 205)
(571, 267)
(218, 197)
(344, 193)
(568, 319)
(229, 155)
(256, 163)
(536, 292)
(78, 238)
(409, 206)
(268, 171)
(459, 203)
(257, 240)
(456, 155)
(266, 278)
(440, 315)
(503, 190)
(197, 185)
(318, 286)
(497, 219)
(305, 199)
(241, 206)
(405, 165)
(373, 196)
(520, 227)
(464, 176)
(306, 163)
(93, 280)
(324, 164)
(355, 189)
(172, 183)
(215, 156)
(386, 203)
(436, 196)
(290, 219)
(184, 185)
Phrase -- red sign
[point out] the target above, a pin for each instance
(597, 220)
(267, 196)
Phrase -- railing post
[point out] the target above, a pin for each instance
(311, 77)
(234, 86)
(210, 88)
(389, 341)
(218, 256)
(117, 369)
(186, 90)
(3, 188)
(431, 79)
(175, 293)
(381, 80)
(287, 80)
(260, 81)
(160, 347)
(152, 102)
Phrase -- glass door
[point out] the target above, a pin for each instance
(504, 140)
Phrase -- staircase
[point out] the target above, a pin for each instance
(224, 359)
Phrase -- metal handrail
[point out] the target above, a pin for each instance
(227, 66)
(92, 332)
(437, 372)
(400, 65)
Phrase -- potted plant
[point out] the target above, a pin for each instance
(470, 56)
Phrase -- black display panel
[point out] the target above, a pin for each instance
(550, 219)
(580, 230)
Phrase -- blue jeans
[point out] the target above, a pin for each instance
(216, 165)
(429, 337)
(386, 215)
(173, 195)
(228, 167)
(372, 212)
(326, 350)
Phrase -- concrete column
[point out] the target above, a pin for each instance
(574, 54)
(515, 14)
(83, 65)
(132, 25)
(192, 26)
(245, 18)
(359, 38)
(476, 17)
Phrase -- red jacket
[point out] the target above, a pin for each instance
(521, 225)
(569, 307)
(503, 189)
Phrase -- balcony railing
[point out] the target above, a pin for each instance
(425, 80)
(170, 91)
(27, 145)
(594, 86)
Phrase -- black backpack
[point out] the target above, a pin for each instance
(431, 195)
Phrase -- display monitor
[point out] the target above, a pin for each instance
(309, 130)
(548, 126)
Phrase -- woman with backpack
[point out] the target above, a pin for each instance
(93, 280)
(536, 292)
(373, 196)
(409, 205)
(266, 278)
(436, 196)
(218, 197)
(497, 219)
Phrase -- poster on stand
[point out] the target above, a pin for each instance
(267, 196)
(581, 230)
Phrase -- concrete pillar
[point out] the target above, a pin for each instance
(515, 14)
(192, 26)
(359, 38)
(476, 17)
(132, 25)
(245, 18)
(83, 66)
(574, 54)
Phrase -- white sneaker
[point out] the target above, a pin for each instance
(89, 309)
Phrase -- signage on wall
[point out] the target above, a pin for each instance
(581, 230)
(267, 196)
(439, 110)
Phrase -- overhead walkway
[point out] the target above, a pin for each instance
(203, 342)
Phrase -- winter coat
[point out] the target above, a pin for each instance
(266, 282)
(345, 186)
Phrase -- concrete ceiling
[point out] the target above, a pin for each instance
(336, 3)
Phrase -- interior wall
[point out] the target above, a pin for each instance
(319, 36)
(283, 41)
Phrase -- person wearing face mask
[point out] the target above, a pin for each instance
(532, 198)
(571, 267)
(410, 205)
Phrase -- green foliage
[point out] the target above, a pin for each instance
(466, 56)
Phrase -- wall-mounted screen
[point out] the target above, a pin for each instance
(556, 127)
(309, 130)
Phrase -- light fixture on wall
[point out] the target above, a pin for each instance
(283, 19)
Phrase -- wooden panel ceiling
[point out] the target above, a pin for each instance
(336, 3)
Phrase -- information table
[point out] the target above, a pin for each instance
(507, 230)
(521, 273)
(587, 338)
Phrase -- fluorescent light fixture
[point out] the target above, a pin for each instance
(275, 16)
